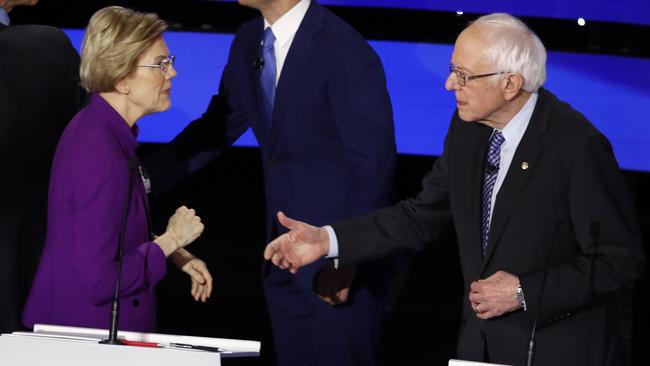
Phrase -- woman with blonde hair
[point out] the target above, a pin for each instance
(127, 67)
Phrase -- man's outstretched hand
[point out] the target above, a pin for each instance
(302, 245)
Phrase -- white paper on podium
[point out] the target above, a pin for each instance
(471, 363)
(232, 347)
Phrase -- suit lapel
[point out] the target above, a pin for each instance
(471, 154)
(529, 150)
(301, 50)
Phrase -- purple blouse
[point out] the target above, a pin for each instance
(75, 281)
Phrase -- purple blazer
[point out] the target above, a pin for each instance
(75, 281)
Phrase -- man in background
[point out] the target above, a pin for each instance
(314, 93)
(39, 94)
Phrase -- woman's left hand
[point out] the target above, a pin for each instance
(198, 271)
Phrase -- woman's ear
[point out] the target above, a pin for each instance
(122, 87)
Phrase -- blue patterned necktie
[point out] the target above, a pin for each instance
(267, 77)
(489, 178)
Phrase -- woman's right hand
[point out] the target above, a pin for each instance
(182, 229)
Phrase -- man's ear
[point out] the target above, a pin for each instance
(513, 84)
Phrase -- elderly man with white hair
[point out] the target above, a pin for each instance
(546, 228)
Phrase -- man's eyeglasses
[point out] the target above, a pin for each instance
(463, 78)
(163, 65)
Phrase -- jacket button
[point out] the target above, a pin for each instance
(136, 303)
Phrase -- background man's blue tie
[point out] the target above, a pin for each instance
(267, 77)
(489, 178)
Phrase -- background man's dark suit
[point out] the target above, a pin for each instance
(39, 94)
(570, 202)
(328, 155)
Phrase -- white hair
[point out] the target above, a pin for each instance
(513, 47)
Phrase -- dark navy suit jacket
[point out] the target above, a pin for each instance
(328, 153)
(330, 150)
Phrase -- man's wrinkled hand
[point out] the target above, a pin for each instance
(302, 245)
(333, 285)
(495, 295)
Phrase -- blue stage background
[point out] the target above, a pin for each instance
(612, 91)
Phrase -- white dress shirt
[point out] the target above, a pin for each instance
(284, 29)
(512, 133)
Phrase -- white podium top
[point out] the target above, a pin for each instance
(53, 345)
(231, 347)
(20, 350)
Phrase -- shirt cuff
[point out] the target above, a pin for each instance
(334, 243)
(334, 246)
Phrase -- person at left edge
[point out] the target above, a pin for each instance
(39, 94)
(126, 66)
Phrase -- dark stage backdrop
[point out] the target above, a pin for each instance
(623, 11)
